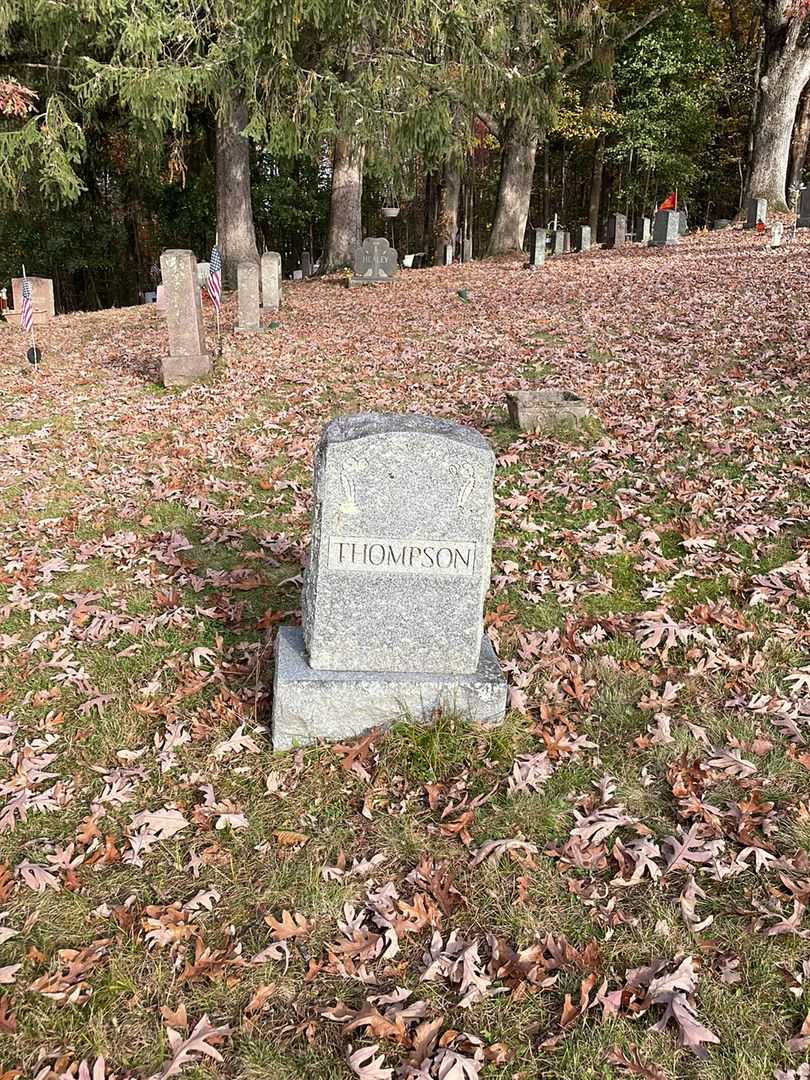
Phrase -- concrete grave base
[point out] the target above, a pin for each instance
(332, 705)
(539, 410)
(185, 370)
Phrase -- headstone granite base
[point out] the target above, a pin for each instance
(309, 704)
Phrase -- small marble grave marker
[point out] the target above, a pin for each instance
(42, 303)
(804, 209)
(398, 569)
(776, 234)
(666, 228)
(271, 281)
(447, 252)
(543, 410)
(537, 248)
(187, 361)
(616, 231)
(558, 242)
(203, 272)
(374, 261)
(644, 231)
(247, 291)
(582, 238)
(757, 211)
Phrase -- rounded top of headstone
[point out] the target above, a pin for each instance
(365, 425)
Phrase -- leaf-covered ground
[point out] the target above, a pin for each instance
(613, 883)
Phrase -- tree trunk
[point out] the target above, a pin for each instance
(431, 214)
(596, 186)
(786, 68)
(514, 191)
(447, 217)
(345, 204)
(800, 142)
(236, 233)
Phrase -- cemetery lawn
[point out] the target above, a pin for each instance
(613, 883)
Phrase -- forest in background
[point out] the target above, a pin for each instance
(127, 129)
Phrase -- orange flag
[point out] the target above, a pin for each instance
(670, 202)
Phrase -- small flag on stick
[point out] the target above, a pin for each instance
(214, 282)
(670, 202)
(26, 308)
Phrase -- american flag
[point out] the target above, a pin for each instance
(214, 283)
(26, 310)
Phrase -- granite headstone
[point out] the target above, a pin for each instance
(271, 281)
(804, 209)
(537, 248)
(398, 569)
(582, 238)
(374, 261)
(187, 361)
(247, 290)
(616, 231)
(757, 212)
(666, 229)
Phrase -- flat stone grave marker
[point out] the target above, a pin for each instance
(757, 211)
(374, 261)
(666, 229)
(616, 231)
(544, 410)
(42, 302)
(398, 569)
(537, 248)
(271, 281)
(187, 361)
(722, 223)
(582, 238)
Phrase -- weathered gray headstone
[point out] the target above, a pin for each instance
(398, 569)
(683, 223)
(804, 209)
(447, 255)
(582, 238)
(187, 361)
(722, 223)
(467, 250)
(757, 211)
(566, 241)
(537, 248)
(666, 229)
(374, 261)
(542, 410)
(644, 230)
(42, 302)
(306, 264)
(558, 241)
(247, 290)
(203, 271)
(271, 281)
(616, 231)
(776, 234)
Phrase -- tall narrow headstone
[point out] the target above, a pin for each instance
(757, 212)
(187, 361)
(537, 248)
(447, 255)
(558, 242)
(271, 281)
(644, 231)
(398, 569)
(804, 209)
(566, 241)
(666, 229)
(467, 250)
(616, 231)
(582, 238)
(306, 264)
(247, 286)
(683, 223)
